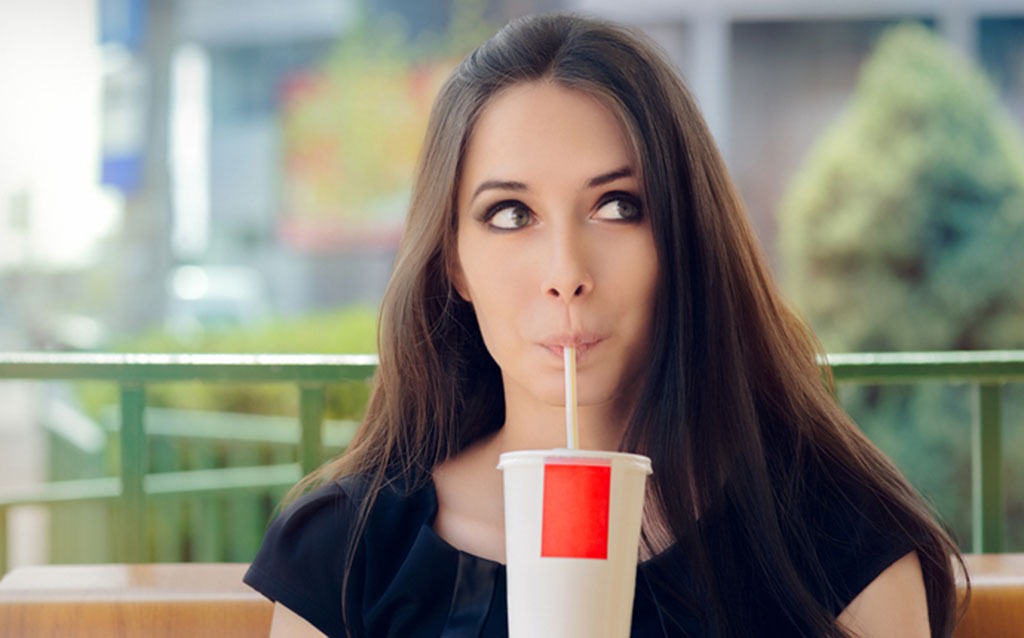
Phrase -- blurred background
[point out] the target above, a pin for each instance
(232, 176)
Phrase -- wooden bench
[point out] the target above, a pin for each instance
(203, 599)
(156, 601)
(996, 609)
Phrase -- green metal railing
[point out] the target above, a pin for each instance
(987, 372)
(133, 372)
(311, 374)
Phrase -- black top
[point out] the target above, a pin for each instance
(407, 582)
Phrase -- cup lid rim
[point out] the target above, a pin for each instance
(532, 456)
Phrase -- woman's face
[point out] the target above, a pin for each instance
(555, 247)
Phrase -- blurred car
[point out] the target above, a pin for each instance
(203, 298)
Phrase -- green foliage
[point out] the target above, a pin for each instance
(353, 128)
(348, 331)
(905, 231)
(469, 27)
(351, 331)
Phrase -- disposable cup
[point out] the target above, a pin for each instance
(572, 533)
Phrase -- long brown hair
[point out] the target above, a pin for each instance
(734, 410)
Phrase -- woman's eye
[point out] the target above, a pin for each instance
(509, 216)
(619, 208)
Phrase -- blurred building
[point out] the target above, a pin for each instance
(771, 75)
(202, 169)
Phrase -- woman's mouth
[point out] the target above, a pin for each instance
(558, 345)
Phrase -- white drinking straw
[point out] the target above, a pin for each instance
(572, 426)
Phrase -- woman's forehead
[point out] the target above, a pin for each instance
(534, 130)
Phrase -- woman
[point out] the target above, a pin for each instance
(569, 193)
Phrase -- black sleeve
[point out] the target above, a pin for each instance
(857, 540)
(856, 571)
(301, 563)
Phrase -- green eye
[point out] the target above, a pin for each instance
(509, 216)
(619, 208)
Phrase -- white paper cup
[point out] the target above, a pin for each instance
(572, 533)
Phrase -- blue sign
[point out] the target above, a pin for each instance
(123, 22)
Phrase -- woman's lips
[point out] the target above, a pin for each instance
(582, 344)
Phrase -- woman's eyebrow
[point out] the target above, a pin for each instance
(498, 184)
(610, 176)
(509, 185)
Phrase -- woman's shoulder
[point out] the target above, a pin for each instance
(335, 509)
(856, 535)
(343, 527)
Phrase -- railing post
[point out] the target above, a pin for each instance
(3, 541)
(311, 414)
(987, 516)
(133, 472)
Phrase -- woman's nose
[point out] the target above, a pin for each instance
(569, 275)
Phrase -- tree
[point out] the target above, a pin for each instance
(905, 231)
(352, 129)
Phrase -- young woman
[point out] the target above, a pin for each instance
(569, 193)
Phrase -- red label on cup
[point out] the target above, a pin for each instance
(575, 520)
